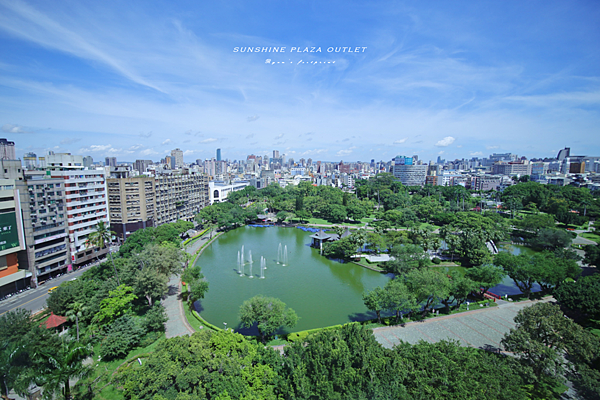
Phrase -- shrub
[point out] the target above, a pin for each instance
(155, 318)
(436, 260)
(123, 335)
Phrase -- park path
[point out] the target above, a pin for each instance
(177, 324)
(482, 328)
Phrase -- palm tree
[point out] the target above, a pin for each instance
(75, 312)
(60, 365)
(102, 237)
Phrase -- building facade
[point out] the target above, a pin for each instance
(131, 203)
(180, 196)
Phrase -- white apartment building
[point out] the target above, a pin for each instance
(87, 204)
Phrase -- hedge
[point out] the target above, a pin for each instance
(302, 335)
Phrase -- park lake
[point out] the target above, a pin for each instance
(323, 292)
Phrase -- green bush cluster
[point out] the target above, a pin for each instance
(123, 335)
(302, 335)
(436, 260)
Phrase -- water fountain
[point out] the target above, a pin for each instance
(263, 266)
(285, 257)
(279, 254)
(250, 262)
(240, 265)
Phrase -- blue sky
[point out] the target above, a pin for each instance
(136, 79)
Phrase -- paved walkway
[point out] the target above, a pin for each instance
(177, 325)
(482, 328)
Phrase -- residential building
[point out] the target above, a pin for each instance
(86, 200)
(7, 150)
(45, 223)
(131, 204)
(219, 190)
(218, 154)
(512, 168)
(30, 160)
(180, 196)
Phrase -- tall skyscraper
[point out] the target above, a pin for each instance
(110, 161)
(177, 154)
(218, 154)
(275, 153)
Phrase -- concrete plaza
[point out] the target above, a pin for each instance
(480, 328)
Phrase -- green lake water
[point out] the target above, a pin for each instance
(323, 292)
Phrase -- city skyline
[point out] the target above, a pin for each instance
(460, 80)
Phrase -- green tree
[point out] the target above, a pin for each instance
(166, 259)
(592, 255)
(521, 269)
(340, 249)
(155, 318)
(551, 239)
(583, 295)
(76, 312)
(375, 300)
(542, 335)
(207, 365)
(459, 289)
(398, 298)
(56, 367)
(335, 213)
(487, 276)
(101, 238)
(150, 283)
(428, 286)
(123, 335)
(115, 305)
(407, 257)
(534, 223)
(197, 285)
(268, 314)
(13, 360)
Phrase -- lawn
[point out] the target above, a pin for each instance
(591, 236)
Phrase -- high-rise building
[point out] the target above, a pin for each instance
(131, 204)
(218, 154)
(88, 161)
(110, 161)
(275, 153)
(45, 225)
(7, 150)
(408, 173)
(141, 165)
(177, 154)
(30, 160)
(86, 201)
(180, 196)
(564, 153)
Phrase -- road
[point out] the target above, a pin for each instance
(35, 299)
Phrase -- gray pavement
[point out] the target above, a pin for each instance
(482, 328)
(177, 325)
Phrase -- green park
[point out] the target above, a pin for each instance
(304, 292)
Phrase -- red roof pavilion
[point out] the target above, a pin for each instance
(54, 321)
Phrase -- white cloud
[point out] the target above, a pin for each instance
(476, 153)
(188, 152)
(279, 136)
(136, 147)
(145, 135)
(209, 140)
(491, 147)
(441, 152)
(148, 152)
(344, 152)
(95, 147)
(401, 141)
(166, 142)
(10, 128)
(445, 142)
(70, 140)
(252, 118)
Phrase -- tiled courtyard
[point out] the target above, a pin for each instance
(482, 328)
